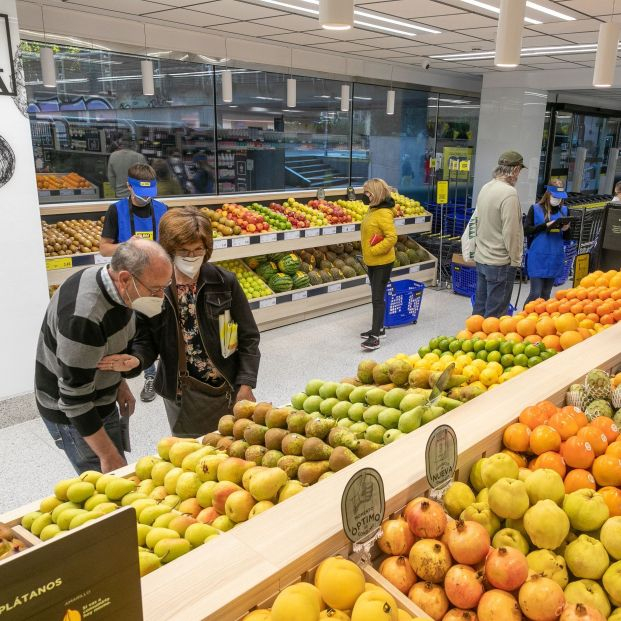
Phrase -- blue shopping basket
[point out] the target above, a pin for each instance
(403, 299)
(464, 279)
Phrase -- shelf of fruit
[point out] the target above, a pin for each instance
(71, 186)
(210, 573)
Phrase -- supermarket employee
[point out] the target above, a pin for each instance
(135, 216)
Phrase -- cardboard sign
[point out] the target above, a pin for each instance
(442, 192)
(441, 456)
(581, 267)
(363, 505)
(89, 573)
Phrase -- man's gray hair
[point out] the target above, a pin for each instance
(134, 256)
(503, 171)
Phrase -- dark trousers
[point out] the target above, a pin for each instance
(494, 288)
(540, 288)
(379, 275)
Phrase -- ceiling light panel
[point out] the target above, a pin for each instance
(494, 9)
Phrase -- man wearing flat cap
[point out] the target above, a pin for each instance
(500, 237)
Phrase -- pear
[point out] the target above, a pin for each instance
(49, 532)
(411, 419)
(190, 462)
(163, 446)
(170, 549)
(255, 454)
(29, 518)
(266, 484)
(197, 533)
(91, 476)
(146, 486)
(207, 516)
(340, 458)
(508, 498)
(342, 437)
(207, 467)
(180, 523)
(223, 523)
(251, 472)
(225, 425)
(159, 472)
(60, 489)
(105, 507)
(296, 421)
(260, 412)
(292, 444)
(118, 487)
(171, 500)
(149, 514)
(238, 506)
(171, 478)
(144, 466)
(233, 468)
(289, 489)
(319, 427)
(315, 449)
(270, 459)
(238, 449)
(277, 417)
(180, 450)
(163, 521)
(140, 505)
(159, 493)
(148, 562)
(366, 447)
(47, 505)
(126, 500)
(189, 506)
(240, 426)
(290, 464)
(62, 507)
(310, 471)
(273, 438)
(45, 519)
(389, 418)
(82, 518)
(213, 438)
(187, 485)
(260, 507)
(64, 519)
(157, 534)
(221, 492)
(255, 434)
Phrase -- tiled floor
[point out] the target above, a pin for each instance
(327, 348)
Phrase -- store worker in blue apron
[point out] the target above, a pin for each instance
(547, 227)
(135, 216)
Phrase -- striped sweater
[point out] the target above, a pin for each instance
(82, 324)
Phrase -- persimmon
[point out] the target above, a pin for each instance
(565, 425)
(544, 438)
(577, 414)
(547, 407)
(607, 426)
(577, 453)
(579, 479)
(520, 460)
(516, 437)
(532, 417)
(607, 470)
(595, 437)
(612, 497)
(553, 461)
(614, 449)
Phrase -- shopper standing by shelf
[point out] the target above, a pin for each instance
(137, 216)
(119, 163)
(499, 237)
(617, 197)
(91, 315)
(379, 237)
(546, 227)
(198, 377)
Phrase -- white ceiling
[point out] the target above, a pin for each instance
(464, 28)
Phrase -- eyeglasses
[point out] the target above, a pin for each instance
(190, 253)
(154, 291)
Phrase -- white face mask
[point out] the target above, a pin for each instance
(555, 202)
(148, 305)
(189, 266)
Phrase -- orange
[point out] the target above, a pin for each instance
(571, 294)
(565, 425)
(607, 470)
(491, 324)
(607, 426)
(495, 336)
(561, 294)
(507, 324)
(544, 438)
(464, 334)
(584, 333)
(530, 307)
(520, 460)
(546, 327)
(614, 449)
(552, 306)
(595, 437)
(532, 338)
(551, 460)
(474, 323)
(612, 496)
(581, 293)
(588, 280)
(570, 338)
(579, 479)
(586, 323)
(547, 407)
(480, 335)
(532, 417)
(565, 323)
(577, 414)
(564, 307)
(607, 319)
(516, 437)
(526, 327)
(615, 281)
(577, 453)
(540, 306)
(552, 342)
(576, 309)
(514, 336)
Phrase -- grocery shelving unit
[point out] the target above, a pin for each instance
(246, 567)
(280, 309)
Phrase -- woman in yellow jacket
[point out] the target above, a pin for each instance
(378, 237)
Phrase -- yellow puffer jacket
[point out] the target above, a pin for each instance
(379, 221)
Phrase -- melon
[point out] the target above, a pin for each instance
(351, 261)
(254, 262)
(280, 282)
(267, 270)
(349, 272)
(412, 255)
(276, 257)
(315, 278)
(300, 280)
(336, 274)
(325, 276)
(326, 265)
(306, 268)
(289, 264)
(339, 264)
(403, 258)
(331, 256)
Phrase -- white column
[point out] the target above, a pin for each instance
(23, 279)
(511, 119)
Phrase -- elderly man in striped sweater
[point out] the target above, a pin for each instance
(92, 316)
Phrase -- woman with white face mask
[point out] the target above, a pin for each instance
(198, 382)
(547, 227)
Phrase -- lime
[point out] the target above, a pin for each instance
(545, 355)
(542, 346)
(467, 346)
(506, 347)
(552, 352)
(479, 346)
(507, 361)
(492, 345)
(445, 354)
(534, 361)
(518, 349)
(454, 345)
(452, 338)
(531, 350)
(423, 351)
(459, 352)
(444, 344)
(520, 360)
(437, 352)
(482, 355)
(433, 343)
(494, 356)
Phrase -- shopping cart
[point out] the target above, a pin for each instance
(403, 300)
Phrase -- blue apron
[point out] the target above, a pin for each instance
(546, 252)
(130, 224)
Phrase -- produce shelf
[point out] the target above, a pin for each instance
(248, 566)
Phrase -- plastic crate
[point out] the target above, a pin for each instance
(510, 312)
(571, 250)
(464, 279)
(403, 299)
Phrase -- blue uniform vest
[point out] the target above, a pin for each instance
(143, 227)
(546, 253)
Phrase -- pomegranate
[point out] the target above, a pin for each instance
(450, 527)
(541, 599)
(463, 586)
(426, 518)
(496, 605)
(431, 598)
(468, 542)
(455, 614)
(398, 571)
(430, 559)
(581, 612)
(397, 538)
(506, 568)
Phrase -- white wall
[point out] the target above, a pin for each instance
(511, 119)
(23, 280)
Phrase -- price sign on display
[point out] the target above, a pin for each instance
(441, 456)
(88, 573)
(329, 230)
(433, 163)
(399, 221)
(61, 263)
(101, 260)
(349, 228)
(299, 295)
(464, 166)
(219, 244)
(267, 303)
(268, 238)
(419, 220)
(240, 241)
(363, 505)
(351, 194)
(581, 267)
(442, 192)
(335, 287)
(292, 234)
(312, 232)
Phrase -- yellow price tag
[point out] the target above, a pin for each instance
(464, 166)
(453, 165)
(61, 263)
(145, 234)
(581, 267)
(433, 163)
(442, 191)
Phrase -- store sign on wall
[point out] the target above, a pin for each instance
(363, 505)
(90, 573)
(7, 68)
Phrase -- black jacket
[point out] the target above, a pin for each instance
(218, 291)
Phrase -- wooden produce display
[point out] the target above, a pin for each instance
(245, 568)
